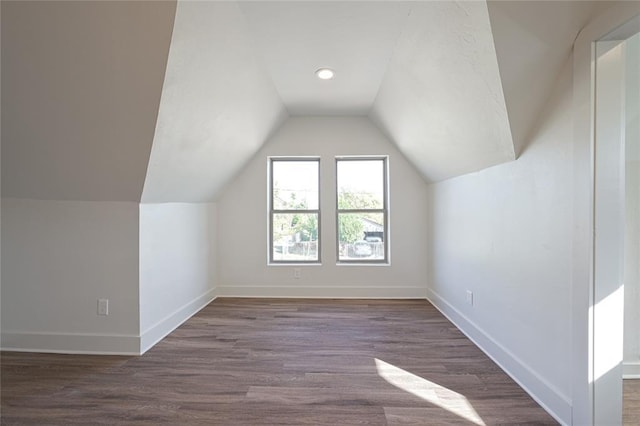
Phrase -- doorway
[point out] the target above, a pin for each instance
(616, 332)
(631, 272)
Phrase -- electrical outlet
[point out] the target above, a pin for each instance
(470, 297)
(103, 306)
(296, 273)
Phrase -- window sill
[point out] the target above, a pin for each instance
(363, 263)
(296, 264)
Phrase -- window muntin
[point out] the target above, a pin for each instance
(362, 213)
(294, 212)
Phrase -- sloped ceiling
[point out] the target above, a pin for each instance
(457, 86)
(81, 85)
(218, 105)
(533, 40)
(237, 70)
(469, 80)
(87, 86)
(441, 100)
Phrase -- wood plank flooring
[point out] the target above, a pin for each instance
(278, 362)
(631, 412)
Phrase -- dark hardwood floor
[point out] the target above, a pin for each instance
(278, 362)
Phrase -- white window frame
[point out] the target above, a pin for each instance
(384, 210)
(273, 211)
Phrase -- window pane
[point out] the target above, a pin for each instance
(295, 185)
(295, 236)
(361, 236)
(360, 184)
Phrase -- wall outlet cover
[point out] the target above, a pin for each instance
(103, 306)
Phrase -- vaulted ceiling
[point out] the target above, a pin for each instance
(96, 94)
(81, 84)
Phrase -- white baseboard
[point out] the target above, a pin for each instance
(551, 399)
(103, 344)
(631, 370)
(162, 328)
(71, 343)
(324, 292)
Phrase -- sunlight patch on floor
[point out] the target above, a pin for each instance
(429, 391)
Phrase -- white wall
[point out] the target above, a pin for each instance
(632, 232)
(504, 233)
(242, 209)
(58, 258)
(177, 265)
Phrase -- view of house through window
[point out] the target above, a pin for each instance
(362, 209)
(294, 210)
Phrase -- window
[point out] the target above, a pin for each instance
(294, 210)
(362, 215)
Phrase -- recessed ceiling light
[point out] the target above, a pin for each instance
(325, 73)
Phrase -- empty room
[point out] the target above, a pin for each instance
(320, 212)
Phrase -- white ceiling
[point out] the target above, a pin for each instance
(457, 86)
(356, 39)
(441, 100)
(533, 40)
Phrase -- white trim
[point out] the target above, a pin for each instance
(102, 343)
(323, 292)
(631, 370)
(154, 334)
(603, 22)
(550, 398)
(71, 343)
